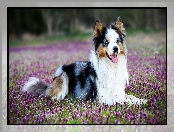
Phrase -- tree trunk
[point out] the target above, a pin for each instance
(49, 27)
(156, 20)
(48, 21)
(148, 18)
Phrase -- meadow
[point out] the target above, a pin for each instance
(147, 71)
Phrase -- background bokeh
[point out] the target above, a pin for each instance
(32, 23)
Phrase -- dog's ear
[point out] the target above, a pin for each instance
(118, 25)
(98, 29)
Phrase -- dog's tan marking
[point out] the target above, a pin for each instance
(108, 39)
(57, 86)
(97, 29)
(102, 51)
(119, 26)
(121, 49)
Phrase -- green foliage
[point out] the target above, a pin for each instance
(135, 31)
(105, 113)
(52, 39)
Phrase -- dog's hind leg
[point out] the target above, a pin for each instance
(59, 87)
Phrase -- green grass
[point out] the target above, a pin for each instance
(160, 50)
(52, 39)
(131, 31)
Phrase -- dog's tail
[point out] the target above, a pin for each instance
(58, 89)
(35, 86)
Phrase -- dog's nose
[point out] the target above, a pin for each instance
(115, 49)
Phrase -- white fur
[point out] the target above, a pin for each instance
(59, 71)
(112, 35)
(133, 100)
(32, 81)
(64, 88)
(111, 80)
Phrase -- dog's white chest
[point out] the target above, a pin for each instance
(111, 79)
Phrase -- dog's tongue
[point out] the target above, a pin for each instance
(114, 58)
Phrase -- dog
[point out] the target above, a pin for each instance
(102, 78)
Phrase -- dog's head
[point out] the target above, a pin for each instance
(109, 41)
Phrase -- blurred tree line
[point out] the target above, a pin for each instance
(58, 21)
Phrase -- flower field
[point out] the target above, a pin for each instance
(147, 70)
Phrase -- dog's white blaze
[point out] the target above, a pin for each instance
(113, 36)
(32, 81)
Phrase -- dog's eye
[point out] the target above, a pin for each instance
(118, 40)
(105, 42)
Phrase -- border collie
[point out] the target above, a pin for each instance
(102, 78)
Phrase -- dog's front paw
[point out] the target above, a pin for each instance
(143, 101)
(134, 100)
